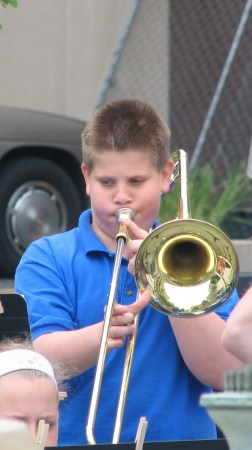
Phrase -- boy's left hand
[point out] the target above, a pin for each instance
(122, 321)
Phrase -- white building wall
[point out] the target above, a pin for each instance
(55, 54)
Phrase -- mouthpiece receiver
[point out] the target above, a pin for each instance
(124, 213)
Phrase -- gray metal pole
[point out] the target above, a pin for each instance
(220, 86)
(117, 55)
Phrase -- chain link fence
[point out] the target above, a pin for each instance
(192, 60)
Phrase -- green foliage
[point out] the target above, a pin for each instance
(212, 200)
(4, 3)
(13, 3)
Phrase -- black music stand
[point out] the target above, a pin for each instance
(13, 316)
(208, 444)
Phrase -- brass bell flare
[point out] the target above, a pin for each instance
(189, 267)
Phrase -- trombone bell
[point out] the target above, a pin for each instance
(189, 267)
(186, 259)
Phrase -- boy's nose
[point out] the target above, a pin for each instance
(122, 196)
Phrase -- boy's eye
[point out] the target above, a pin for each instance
(107, 182)
(136, 181)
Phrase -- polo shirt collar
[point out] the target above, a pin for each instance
(89, 241)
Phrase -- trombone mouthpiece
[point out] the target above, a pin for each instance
(124, 213)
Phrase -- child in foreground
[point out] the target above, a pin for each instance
(28, 388)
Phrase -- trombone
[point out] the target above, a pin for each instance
(188, 266)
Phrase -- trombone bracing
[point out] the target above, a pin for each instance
(188, 266)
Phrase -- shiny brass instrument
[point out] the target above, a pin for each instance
(189, 267)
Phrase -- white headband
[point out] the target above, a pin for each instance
(22, 359)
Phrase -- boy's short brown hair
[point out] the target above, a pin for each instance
(126, 125)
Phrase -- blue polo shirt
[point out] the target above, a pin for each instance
(66, 279)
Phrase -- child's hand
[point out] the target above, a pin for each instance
(122, 321)
(137, 235)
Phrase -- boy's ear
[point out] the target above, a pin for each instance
(166, 175)
(86, 177)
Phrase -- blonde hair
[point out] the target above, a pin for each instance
(9, 344)
(126, 125)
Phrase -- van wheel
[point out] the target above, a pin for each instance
(37, 198)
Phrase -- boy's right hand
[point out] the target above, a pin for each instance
(137, 235)
(123, 318)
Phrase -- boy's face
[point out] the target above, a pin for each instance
(124, 179)
(30, 400)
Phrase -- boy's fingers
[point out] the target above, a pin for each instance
(134, 308)
(140, 303)
(119, 309)
(134, 229)
(116, 342)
